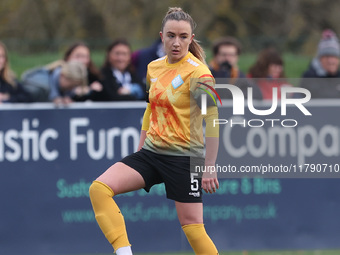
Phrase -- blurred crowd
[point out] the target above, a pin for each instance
(122, 77)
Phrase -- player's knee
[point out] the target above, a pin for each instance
(187, 218)
(93, 190)
(98, 189)
(190, 219)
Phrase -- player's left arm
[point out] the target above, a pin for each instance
(202, 83)
(209, 179)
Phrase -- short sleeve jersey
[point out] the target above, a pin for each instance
(176, 120)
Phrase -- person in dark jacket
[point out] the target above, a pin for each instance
(224, 64)
(10, 90)
(322, 78)
(119, 82)
(141, 58)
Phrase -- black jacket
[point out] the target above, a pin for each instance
(17, 93)
(111, 86)
(319, 83)
(141, 59)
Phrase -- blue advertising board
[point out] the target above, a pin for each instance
(49, 157)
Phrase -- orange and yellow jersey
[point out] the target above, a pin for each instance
(175, 121)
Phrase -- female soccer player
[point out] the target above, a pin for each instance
(168, 138)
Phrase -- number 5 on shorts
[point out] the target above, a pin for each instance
(194, 182)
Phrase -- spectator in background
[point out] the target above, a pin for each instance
(141, 58)
(268, 73)
(79, 51)
(224, 64)
(67, 81)
(325, 67)
(56, 82)
(119, 82)
(226, 52)
(10, 90)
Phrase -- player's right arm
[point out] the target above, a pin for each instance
(146, 117)
(145, 126)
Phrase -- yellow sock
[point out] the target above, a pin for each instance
(199, 239)
(108, 215)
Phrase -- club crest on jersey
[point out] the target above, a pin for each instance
(177, 81)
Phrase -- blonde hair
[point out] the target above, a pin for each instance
(72, 70)
(6, 73)
(75, 71)
(176, 13)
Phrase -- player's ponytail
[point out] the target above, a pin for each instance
(176, 13)
(196, 49)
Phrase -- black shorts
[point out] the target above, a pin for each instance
(174, 171)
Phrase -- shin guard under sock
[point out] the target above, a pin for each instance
(108, 215)
(199, 239)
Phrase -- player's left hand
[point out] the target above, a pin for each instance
(210, 182)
